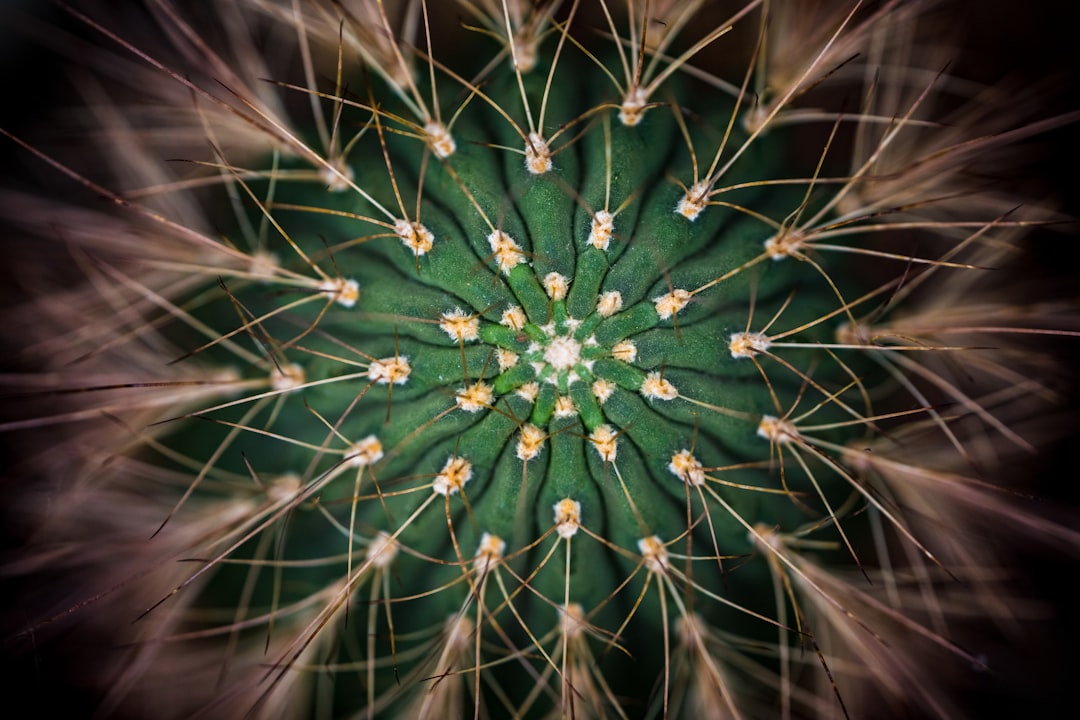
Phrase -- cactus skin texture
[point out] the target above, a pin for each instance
(562, 376)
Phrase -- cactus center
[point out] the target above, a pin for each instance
(469, 358)
(562, 352)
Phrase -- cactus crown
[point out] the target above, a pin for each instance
(558, 383)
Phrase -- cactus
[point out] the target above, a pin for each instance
(561, 376)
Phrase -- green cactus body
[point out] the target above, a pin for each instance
(569, 406)
(519, 363)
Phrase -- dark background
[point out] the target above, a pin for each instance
(1031, 43)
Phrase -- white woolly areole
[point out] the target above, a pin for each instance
(530, 443)
(603, 225)
(264, 265)
(506, 359)
(567, 518)
(605, 440)
(284, 488)
(672, 303)
(343, 292)
(287, 377)
(609, 303)
(747, 344)
(565, 407)
(439, 140)
(657, 387)
(523, 50)
(338, 175)
(415, 236)
(556, 286)
(460, 325)
(366, 452)
(491, 549)
(654, 553)
(506, 252)
(694, 201)
(624, 350)
(382, 549)
(602, 390)
(513, 317)
(529, 391)
(537, 154)
(563, 352)
(573, 622)
(475, 397)
(784, 244)
(455, 473)
(687, 468)
(392, 370)
(776, 430)
(633, 106)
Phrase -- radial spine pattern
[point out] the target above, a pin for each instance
(569, 374)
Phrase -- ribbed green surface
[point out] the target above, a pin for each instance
(402, 298)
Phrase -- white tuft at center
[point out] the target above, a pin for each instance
(563, 352)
